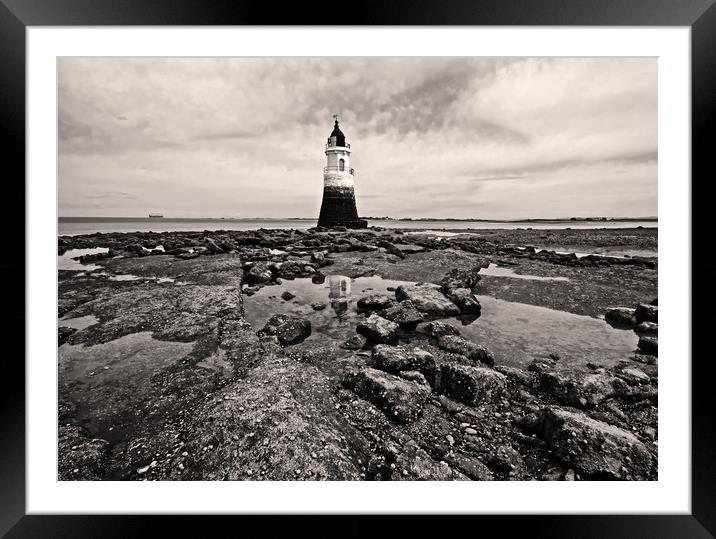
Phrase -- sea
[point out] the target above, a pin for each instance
(73, 226)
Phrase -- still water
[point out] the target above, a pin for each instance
(517, 333)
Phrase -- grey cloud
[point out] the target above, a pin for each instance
(238, 136)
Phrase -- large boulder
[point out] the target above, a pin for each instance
(375, 302)
(647, 328)
(437, 329)
(427, 298)
(64, 333)
(258, 273)
(648, 345)
(287, 329)
(378, 330)
(394, 359)
(647, 313)
(583, 393)
(465, 300)
(460, 345)
(596, 448)
(401, 400)
(472, 385)
(391, 248)
(460, 278)
(621, 317)
(404, 314)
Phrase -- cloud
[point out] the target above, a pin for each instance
(433, 137)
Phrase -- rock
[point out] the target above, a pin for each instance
(401, 400)
(319, 259)
(414, 376)
(470, 466)
(258, 273)
(635, 376)
(391, 248)
(356, 342)
(507, 459)
(647, 328)
(621, 317)
(81, 457)
(287, 296)
(378, 330)
(319, 306)
(187, 256)
(647, 313)
(63, 333)
(404, 314)
(427, 298)
(587, 392)
(524, 378)
(287, 329)
(225, 243)
(465, 300)
(649, 346)
(459, 345)
(472, 385)
(375, 302)
(457, 278)
(438, 329)
(414, 464)
(212, 247)
(596, 388)
(394, 359)
(596, 448)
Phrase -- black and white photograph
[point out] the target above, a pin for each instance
(357, 269)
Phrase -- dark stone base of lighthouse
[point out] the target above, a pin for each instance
(339, 209)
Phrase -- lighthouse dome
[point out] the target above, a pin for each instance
(340, 137)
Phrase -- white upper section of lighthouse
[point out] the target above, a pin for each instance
(338, 154)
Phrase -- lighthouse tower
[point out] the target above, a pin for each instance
(339, 202)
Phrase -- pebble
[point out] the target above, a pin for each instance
(470, 431)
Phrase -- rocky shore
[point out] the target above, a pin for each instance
(213, 355)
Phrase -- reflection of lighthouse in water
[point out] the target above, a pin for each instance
(339, 293)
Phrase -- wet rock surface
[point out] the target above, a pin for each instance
(162, 377)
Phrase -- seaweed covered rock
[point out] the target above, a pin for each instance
(621, 317)
(472, 385)
(460, 345)
(378, 330)
(394, 359)
(287, 329)
(427, 298)
(401, 400)
(596, 448)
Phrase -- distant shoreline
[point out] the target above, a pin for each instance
(402, 219)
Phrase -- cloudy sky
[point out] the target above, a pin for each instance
(431, 137)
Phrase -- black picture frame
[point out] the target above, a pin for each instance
(699, 15)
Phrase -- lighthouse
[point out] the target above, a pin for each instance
(339, 201)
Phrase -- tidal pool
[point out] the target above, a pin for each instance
(493, 270)
(66, 260)
(517, 333)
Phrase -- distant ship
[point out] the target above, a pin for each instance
(155, 216)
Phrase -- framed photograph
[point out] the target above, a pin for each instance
(403, 260)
